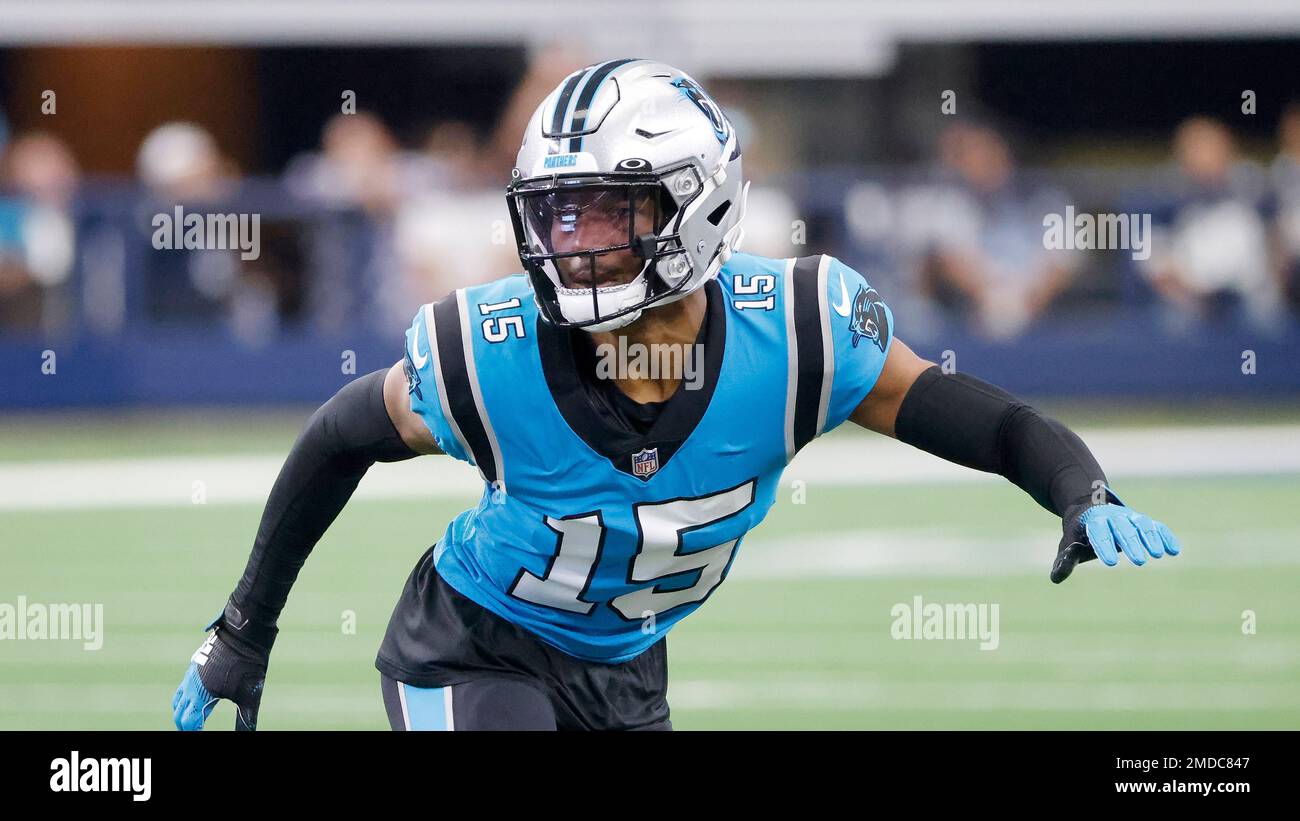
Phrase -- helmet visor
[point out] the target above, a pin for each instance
(589, 233)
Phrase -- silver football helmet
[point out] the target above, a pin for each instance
(627, 193)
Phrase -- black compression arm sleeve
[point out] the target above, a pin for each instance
(970, 422)
(345, 436)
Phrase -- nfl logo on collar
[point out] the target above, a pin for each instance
(645, 462)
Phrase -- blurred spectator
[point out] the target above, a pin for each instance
(181, 166)
(772, 222)
(458, 233)
(448, 240)
(1210, 252)
(360, 165)
(459, 162)
(180, 162)
(976, 236)
(37, 238)
(1286, 192)
(546, 68)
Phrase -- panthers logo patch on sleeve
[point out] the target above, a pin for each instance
(412, 378)
(869, 318)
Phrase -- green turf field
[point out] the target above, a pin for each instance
(791, 640)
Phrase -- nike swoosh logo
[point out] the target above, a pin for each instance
(416, 359)
(650, 135)
(843, 308)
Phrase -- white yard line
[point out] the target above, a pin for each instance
(884, 553)
(977, 696)
(834, 460)
(867, 694)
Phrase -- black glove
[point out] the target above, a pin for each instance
(230, 664)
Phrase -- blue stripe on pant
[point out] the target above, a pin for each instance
(426, 708)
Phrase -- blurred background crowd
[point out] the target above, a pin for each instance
(378, 172)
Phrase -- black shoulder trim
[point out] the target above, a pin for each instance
(808, 344)
(456, 382)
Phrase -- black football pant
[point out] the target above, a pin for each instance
(482, 704)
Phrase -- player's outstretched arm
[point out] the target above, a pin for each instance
(367, 421)
(970, 422)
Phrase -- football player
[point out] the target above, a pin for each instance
(612, 508)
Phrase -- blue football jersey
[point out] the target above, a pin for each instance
(597, 539)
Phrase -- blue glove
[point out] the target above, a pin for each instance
(1104, 531)
(222, 667)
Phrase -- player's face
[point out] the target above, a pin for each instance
(593, 219)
